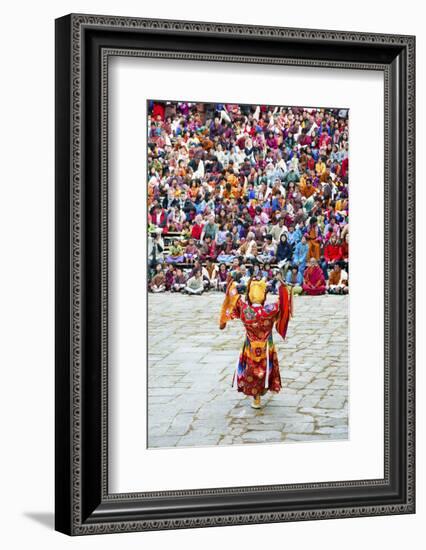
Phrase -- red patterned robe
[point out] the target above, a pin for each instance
(258, 370)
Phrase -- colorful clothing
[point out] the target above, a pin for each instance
(300, 255)
(313, 237)
(332, 252)
(175, 255)
(314, 282)
(257, 369)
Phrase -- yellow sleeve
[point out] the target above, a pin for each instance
(230, 309)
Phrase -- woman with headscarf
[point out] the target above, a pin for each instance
(284, 253)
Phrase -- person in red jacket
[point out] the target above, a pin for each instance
(197, 228)
(332, 251)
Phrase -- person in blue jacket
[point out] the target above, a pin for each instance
(300, 254)
(294, 279)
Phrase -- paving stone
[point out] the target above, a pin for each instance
(330, 402)
(299, 427)
(263, 436)
(191, 363)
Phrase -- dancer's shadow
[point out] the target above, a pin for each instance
(44, 518)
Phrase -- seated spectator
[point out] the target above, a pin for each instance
(292, 236)
(211, 272)
(221, 235)
(260, 216)
(338, 280)
(208, 249)
(210, 229)
(345, 250)
(197, 227)
(158, 282)
(249, 248)
(222, 278)
(195, 285)
(226, 176)
(268, 251)
(256, 271)
(169, 276)
(266, 272)
(235, 266)
(332, 251)
(295, 280)
(243, 279)
(179, 281)
(259, 231)
(176, 253)
(191, 252)
(333, 228)
(278, 229)
(227, 250)
(284, 254)
(313, 279)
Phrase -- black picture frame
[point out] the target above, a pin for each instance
(83, 46)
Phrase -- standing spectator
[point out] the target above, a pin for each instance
(301, 254)
(313, 236)
(155, 249)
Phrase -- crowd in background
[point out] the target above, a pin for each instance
(247, 191)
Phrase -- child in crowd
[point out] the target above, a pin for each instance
(222, 278)
(158, 282)
(191, 251)
(179, 281)
(176, 253)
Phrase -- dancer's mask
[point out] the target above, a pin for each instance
(257, 292)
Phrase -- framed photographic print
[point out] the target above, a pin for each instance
(234, 274)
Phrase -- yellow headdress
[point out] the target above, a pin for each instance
(257, 291)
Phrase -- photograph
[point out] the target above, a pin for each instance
(248, 273)
(197, 353)
(227, 352)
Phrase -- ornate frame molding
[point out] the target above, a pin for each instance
(72, 45)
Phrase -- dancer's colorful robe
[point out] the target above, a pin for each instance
(257, 370)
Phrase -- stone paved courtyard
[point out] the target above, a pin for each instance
(191, 364)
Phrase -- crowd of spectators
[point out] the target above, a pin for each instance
(247, 191)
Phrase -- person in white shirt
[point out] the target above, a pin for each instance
(338, 280)
(195, 285)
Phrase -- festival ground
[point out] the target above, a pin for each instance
(191, 364)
